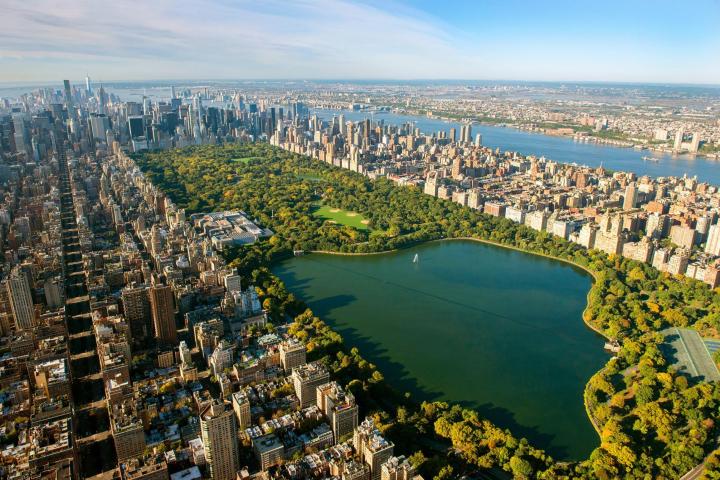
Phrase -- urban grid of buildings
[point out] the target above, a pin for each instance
(130, 349)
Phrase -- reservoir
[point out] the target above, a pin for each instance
(559, 149)
(494, 329)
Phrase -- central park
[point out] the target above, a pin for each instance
(649, 421)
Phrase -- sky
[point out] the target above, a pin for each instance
(658, 41)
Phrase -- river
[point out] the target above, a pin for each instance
(491, 328)
(561, 149)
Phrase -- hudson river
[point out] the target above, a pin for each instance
(494, 329)
(561, 149)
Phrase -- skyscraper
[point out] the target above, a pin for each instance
(678, 139)
(136, 126)
(630, 199)
(20, 299)
(219, 435)
(695, 142)
(163, 313)
(99, 125)
(68, 97)
(102, 100)
(466, 133)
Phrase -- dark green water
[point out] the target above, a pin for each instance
(491, 328)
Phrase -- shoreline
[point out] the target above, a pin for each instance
(585, 317)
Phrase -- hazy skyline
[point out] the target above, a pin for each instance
(639, 41)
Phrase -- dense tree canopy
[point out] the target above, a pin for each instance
(652, 422)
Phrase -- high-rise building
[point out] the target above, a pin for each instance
(233, 282)
(457, 166)
(478, 140)
(630, 199)
(163, 313)
(136, 126)
(53, 288)
(136, 304)
(99, 125)
(241, 405)
(713, 242)
(339, 407)
(219, 435)
(466, 133)
(678, 139)
(695, 142)
(372, 447)
(20, 299)
(292, 355)
(306, 379)
(683, 236)
(678, 262)
(222, 357)
(127, 430)
(68, 95)
(269, 450)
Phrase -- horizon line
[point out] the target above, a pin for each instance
(43, 83)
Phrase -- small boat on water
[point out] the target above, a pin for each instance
(416, 258)
(650, 159)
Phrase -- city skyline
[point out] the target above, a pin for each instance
(319, 39)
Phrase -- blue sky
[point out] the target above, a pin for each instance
(627, 41)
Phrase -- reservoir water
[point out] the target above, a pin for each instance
(494, 329)
(561, 149)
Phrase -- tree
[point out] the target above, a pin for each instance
(520, 467)
(628, 300)
(445, 473)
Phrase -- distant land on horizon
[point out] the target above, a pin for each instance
(394, 81)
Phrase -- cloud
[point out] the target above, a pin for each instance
(306, 38)
(335, 39)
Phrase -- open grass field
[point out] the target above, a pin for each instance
(342, 217)
(309, 178)
(245, 160)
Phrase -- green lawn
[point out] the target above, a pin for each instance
(342, 217)
(245, 160)
(309, 177)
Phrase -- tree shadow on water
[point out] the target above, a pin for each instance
(398, 376)
(504, 418)
(370, 349)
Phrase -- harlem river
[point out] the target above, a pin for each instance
(490, 328)
(560, 149)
